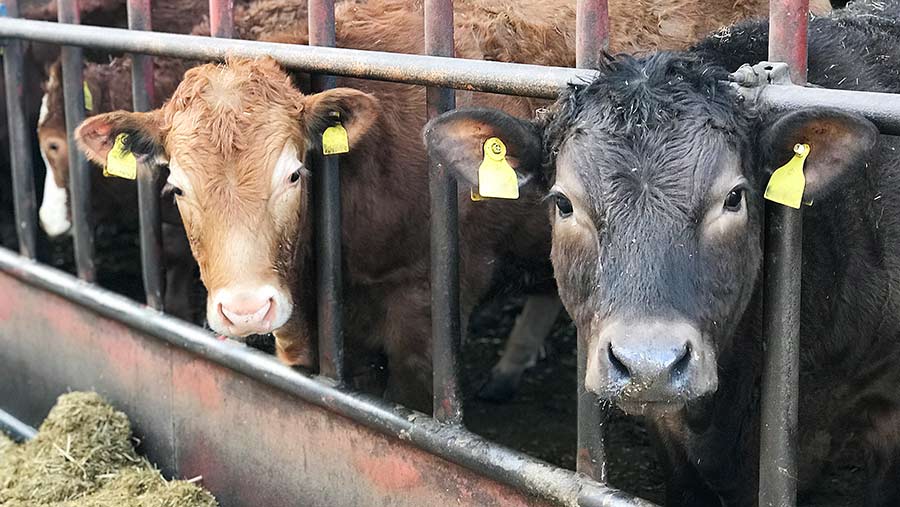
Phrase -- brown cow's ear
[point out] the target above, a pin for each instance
(839, 142)
(96, 135)
(456, 140)
(358, 112)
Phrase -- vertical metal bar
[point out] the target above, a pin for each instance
(148, 177)
(79, 170)
(591, 32)
(20, 142)
(592, 38)
(788, 21)
(221, 18)
(445, 325)
(326, 173)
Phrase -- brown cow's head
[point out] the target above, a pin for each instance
(235, 138)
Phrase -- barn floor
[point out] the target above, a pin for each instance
(539, 421)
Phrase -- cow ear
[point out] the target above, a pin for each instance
(456, 140)
(357, 111)
(96, 135)
(838, 142)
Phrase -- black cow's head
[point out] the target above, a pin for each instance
(655, 174)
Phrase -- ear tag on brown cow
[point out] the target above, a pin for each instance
(334, 139)
(496, 178)
(787, 182)
(88, 98)
(120, 162)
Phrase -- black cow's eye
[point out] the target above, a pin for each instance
(563, 206)
(734, 199)
(295, 176)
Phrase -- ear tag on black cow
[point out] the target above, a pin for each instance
(787, 182)
(496, 178)
(334, 139)
(88, 98)
(120, 161)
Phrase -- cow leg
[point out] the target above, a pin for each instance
(179, 265)
(523, 347)
(883, 446)
(406, 330)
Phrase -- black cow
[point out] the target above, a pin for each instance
(656, 172)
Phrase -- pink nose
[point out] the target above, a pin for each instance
(247, 312)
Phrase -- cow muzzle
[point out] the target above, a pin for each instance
(246, 311)
(656, 365)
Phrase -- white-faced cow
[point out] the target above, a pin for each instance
(655, 173)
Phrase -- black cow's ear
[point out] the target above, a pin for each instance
(456, 139)
(838, 142)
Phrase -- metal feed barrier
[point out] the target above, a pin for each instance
(265, 434)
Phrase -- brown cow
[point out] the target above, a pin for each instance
(235, 138)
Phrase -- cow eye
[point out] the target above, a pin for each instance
(171, 189)
(53, 146)
(295, 176)
(734, 199)
(563, 206)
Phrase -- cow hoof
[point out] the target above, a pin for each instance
(500, 387)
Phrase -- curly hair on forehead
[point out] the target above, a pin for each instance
(635, 95)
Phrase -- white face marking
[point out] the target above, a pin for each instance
(287, 163)
(54, 209)
(177, 177)
(45, 111)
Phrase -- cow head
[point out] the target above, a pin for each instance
(655, 174)
(235, 138)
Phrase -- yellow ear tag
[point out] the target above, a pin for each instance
(88, 98)
(496, 178)
(120, 162)
(787, 182)
(334, 139)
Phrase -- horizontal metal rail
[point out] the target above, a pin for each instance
(449, 442)
(883, 109)
(478, 75)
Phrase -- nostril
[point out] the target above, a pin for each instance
(680, 366)
(616, 367)
(222, 314)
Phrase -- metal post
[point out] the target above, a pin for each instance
(221, 18)
(445, 326)
(328, 214)
(142, 90)
(20, 142)
(591, 32)
(592, 38)
(79, 169)
(788, 21)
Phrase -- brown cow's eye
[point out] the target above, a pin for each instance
(170, 189)
(734, 199)
(53, 147)
(563, 206)
(295, 176)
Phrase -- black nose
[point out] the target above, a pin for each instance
(649, 367)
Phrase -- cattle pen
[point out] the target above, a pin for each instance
(261, 433)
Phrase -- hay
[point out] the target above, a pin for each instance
(83, 456)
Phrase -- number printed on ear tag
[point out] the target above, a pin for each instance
(787, 183)
(120, 161)
(496, 178)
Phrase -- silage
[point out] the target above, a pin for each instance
(83, 456)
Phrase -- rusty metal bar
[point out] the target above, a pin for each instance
(221, 18)
(477, 75)
(445, 325)
(788, 22)
(142, 91)
(79, 169)
(591, 32)
(449, 442)
(20, 142)
(327, 177)
(591, 38)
